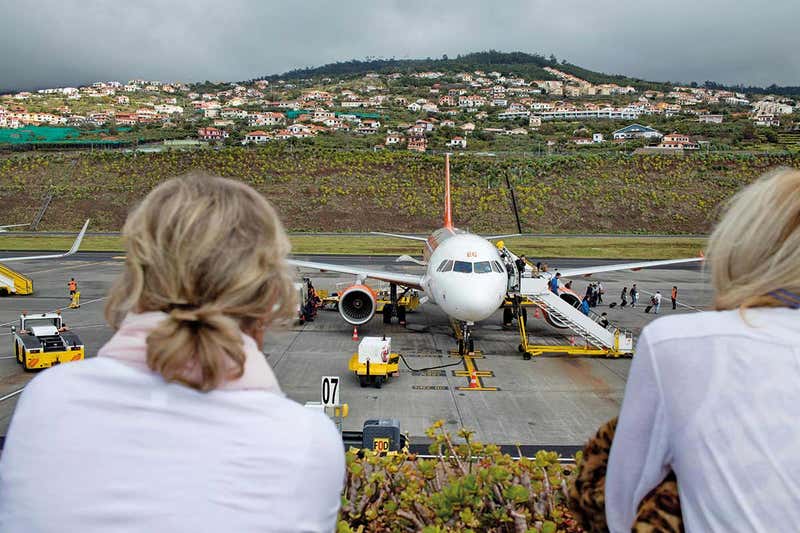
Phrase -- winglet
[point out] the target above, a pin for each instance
(78, 239)
(448, 213)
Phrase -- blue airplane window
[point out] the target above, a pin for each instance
(483, 267)
(462, 266)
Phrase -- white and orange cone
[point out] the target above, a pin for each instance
(473, 381)
(355, 333)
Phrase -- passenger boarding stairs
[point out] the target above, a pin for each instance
(537, 290)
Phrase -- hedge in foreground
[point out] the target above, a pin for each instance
(465, 487)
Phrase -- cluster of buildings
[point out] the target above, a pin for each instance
(377, 104)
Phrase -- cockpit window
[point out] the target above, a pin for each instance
(497, 268)
(483, 267)
(446, 266)
(462, 266)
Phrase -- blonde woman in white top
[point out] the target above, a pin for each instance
(179, 424)
(715, 396)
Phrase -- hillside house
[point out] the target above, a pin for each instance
(394, 138)
(678, 141)
(256, 137)
(212, 134)
(636, 131)
(418, 144)
(457, 142)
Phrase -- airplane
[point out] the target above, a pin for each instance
(465, 276)
(71, 251)
(4, 229)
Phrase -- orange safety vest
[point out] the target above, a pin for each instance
(73, 286)
(674, 293)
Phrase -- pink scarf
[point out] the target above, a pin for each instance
(129, 346)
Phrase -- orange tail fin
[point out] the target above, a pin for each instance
(448, 213)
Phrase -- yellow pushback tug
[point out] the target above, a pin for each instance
(42, 341)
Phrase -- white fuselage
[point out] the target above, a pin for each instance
(466, 276)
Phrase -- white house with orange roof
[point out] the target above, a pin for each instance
(457, 142)
(256, 137)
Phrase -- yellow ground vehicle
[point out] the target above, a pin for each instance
(12, 282)
(374, 362)
(42, 341)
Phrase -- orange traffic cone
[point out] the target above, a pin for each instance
(473, 381)
(572, 340)
(536, 312)
(355, 333)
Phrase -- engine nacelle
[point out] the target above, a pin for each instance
(571, 298)
(357, 304)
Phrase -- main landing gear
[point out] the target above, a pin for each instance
(393, 308)
(466, 344)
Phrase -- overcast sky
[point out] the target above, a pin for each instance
(48, 43)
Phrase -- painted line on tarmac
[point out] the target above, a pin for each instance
(11, 395)
(60, 309)
(63, 267)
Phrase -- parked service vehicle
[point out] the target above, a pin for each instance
(42, 340)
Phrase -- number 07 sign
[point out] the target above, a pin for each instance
(330, 391)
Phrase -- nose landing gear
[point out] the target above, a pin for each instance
(466, 345)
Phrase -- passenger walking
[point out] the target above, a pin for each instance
(554, 282)
(657, 302)
(520, 263)
(188, 427)
(634, 295)
(72, 285)
(674, 297)
(600, 292)
(585, 306)
(713, 396)
(624, 297)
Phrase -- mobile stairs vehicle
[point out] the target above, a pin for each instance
(600, 340)
(42, 340)
(374, 362)
(12, 282)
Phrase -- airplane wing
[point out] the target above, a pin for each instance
(406, 280)
(588, 271)
(75, 246)
(399, 236)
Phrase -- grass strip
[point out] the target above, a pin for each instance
(533, 247)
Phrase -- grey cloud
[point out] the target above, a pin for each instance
(67, 42)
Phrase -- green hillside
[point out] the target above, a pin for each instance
(325, 190)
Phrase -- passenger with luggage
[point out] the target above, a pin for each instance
(634, 295)
(624, 297)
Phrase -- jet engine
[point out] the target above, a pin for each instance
(357, 304)
(572, 299)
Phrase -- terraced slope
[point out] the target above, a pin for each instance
(317, 190)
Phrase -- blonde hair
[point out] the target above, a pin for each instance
(211, 253)
(755, 248)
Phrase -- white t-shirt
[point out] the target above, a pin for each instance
(98, 446)
(717, 399)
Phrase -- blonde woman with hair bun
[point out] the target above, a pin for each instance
(179, 424)
(715, 396)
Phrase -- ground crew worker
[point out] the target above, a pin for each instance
(674, 297)
(73, 287)
(624, 297)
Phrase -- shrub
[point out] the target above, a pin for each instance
(466, 486)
